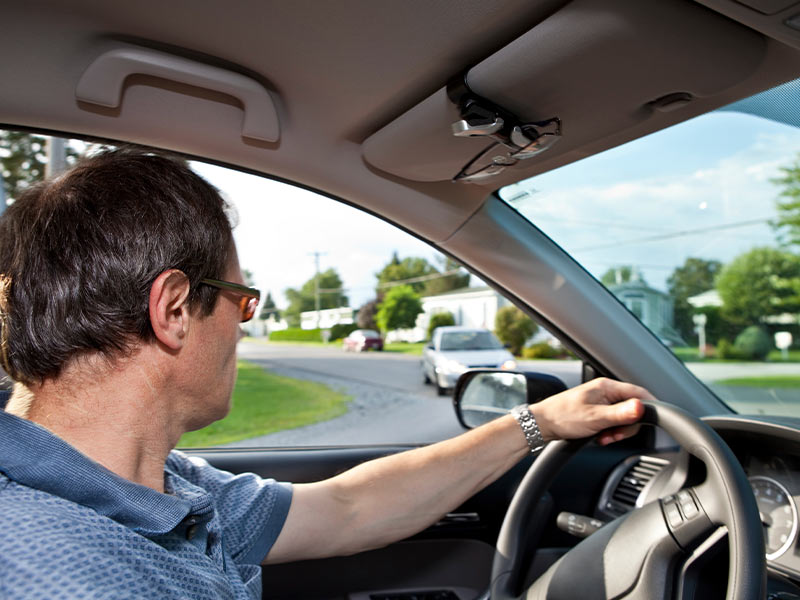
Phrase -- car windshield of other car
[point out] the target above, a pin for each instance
(696, 230)
(469, 340)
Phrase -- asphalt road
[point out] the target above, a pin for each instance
(391, 404)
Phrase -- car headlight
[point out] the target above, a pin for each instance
(509, 365)
(453, 366)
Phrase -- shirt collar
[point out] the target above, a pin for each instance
(34, 457)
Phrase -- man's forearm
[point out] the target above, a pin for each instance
(391, 498)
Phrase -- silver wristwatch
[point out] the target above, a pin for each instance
(529, 427)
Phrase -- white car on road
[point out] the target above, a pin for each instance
(453, 350)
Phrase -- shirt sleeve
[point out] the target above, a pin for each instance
(252, 510)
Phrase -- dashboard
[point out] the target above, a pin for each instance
(769, 452)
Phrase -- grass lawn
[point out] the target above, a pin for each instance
(774, 381)
(405, 348)
(690, 355)
(400, 347)
(265, 403)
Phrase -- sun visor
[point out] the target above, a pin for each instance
(578, 66)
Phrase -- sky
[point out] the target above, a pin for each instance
(698, 189)
(279, 227)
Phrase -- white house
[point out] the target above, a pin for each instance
(470, 307)
(326, 318)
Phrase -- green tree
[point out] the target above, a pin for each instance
(787, 224)
(446, 283)
(695, 276)
(621, 274)
(304, 299)
(759, 283)
(268, 308)
(514, 328)
(401, 270)
(441, 319)
(23, 159)
(399, 308)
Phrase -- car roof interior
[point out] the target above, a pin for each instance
(351, 98)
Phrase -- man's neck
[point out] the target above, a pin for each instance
(116, 416)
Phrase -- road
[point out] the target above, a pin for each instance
(392, 405)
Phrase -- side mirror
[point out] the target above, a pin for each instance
(482, 395)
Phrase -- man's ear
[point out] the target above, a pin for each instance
(169, 310)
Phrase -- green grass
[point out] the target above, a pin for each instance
(769, 381)
(265, 403)
(691, 355)
(399, 347)
(405, 348)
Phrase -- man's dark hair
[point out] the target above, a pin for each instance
(79, 253)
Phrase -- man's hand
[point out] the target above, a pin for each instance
(601, 405)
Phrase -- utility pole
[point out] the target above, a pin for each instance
(317, 254)
(56, 156)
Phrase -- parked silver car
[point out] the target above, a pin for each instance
(453, 350)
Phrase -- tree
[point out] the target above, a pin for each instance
(268, 308)
(304, 299)
(399, 309)
(401, 270)
(441, 319)
(23, 158)
(787, 224)
(514, 328)
(695, 276)
(759, 283)
(365, 319)
(621, 274)
(446, 283)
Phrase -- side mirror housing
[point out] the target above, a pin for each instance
(482, 395)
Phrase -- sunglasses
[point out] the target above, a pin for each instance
(250, 296)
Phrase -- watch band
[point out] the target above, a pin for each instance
(529, 427)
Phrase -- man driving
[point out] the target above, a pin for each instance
(121, 297)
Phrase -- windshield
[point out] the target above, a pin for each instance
(696, 230)
(469, 340)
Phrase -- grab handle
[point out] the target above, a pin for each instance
(102, 82)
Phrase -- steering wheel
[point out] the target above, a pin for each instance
(638, 555)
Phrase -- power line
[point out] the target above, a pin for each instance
(675, 234)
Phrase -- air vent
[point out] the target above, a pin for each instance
(631, 484)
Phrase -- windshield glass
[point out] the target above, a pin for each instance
(696, 230)
(470, 340)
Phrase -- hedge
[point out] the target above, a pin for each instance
(295, 334)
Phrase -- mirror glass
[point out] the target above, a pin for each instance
(491, 395)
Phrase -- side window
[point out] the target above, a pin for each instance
(326, 270)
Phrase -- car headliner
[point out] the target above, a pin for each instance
(348, 72)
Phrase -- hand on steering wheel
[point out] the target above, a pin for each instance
(638, 556)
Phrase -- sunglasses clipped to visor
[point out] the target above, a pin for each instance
(249, 296)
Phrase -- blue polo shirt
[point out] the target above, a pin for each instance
(70, 528)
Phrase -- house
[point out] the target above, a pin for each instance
(470, 307)
(652, 307)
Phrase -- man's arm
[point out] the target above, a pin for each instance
(391, 498)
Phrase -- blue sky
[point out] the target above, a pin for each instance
(681, 184)
(710, 171)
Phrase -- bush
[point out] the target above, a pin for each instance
(514, 328)
(542, 350)
(442, 319)
(295, 334)
(340, 330)
(753, 343)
